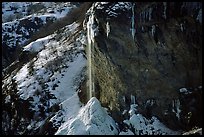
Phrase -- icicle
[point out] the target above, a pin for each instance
(92, 31)
(164, 3)
(199, 17)
(178, 109)
(181, 27)
(176, 106)
(142, 29)
(132, 99)
(173, 106)
(123, 98)
(150, 13)
(153, 30)
(107, 29)
(133, 22)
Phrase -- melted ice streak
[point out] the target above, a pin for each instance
(107, 29)
(176, 106)
(133, 22)
(92, 30)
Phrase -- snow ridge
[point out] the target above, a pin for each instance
(92, 119)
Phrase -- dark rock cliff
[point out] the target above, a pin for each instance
(164, 56)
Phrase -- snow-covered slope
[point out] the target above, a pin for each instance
(50, 79)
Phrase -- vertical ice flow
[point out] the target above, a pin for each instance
(133, 22)
(91, 33)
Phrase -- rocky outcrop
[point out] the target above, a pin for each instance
(163, 56)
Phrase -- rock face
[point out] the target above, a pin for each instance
(163, 55)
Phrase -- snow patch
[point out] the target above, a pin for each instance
(37, 45)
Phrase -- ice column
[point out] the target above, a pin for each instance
(133, 22)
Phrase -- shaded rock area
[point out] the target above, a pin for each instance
(164, 56)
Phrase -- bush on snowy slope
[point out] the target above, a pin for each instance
(92, 119)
